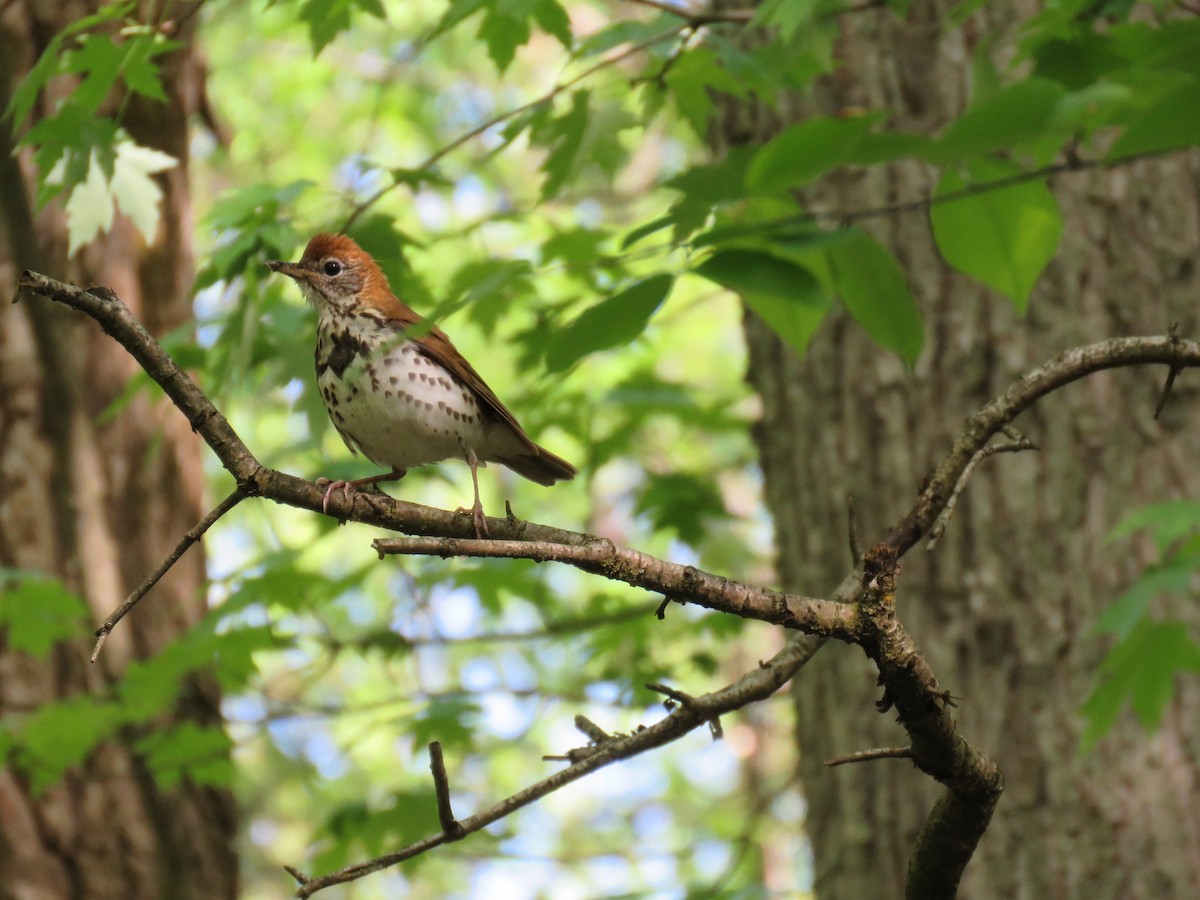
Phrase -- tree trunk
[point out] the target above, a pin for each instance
(98, 505)
(1003, 606)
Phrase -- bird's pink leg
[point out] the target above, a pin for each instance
(347, 486)
(477, 516)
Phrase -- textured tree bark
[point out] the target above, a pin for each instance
(1003, 606)
(98, 505)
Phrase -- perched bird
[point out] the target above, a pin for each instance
(402, 401)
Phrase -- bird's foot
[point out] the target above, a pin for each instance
(478, 519)
(330, 487)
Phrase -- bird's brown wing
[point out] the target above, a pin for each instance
(536, 463)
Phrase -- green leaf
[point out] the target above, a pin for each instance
(564, 134)
(139, 72)
(38, 612)
(789, 16)
(624, 31)
(1166, 522)
(1163, 126)
(1140, 669)
(503, 35)
(1127, 610)
(872, 285)
(762, 274)
(642, 231)
(326, 19)
(554, 20)
(613, 322)
(56, 736)
(692, 82)
(50, 62)
(1016, 114)
(450, 721)
(67, 144)
(27, 90)
(411, 816)
(188, 750)
(1004, 237)
(457, 12)
(794, 322)
(787, 296)
(682, 503)
(806, 151)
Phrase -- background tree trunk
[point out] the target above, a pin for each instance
(98, 505)
(1003, 606)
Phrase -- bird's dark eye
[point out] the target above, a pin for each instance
(333, 267)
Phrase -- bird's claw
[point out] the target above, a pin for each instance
(330, 487)
(478, 519)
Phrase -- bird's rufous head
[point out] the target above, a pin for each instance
(335, 274)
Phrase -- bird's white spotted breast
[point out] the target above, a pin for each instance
(389, 400)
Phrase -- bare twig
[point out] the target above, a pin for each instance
(594, 732)
(939, 527)
(1172, 374)
(451, 828)
(679, 698)
(867, 755)
(856, 547)
(698, 18)
(102, 633)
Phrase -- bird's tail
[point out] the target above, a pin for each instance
(540, 465)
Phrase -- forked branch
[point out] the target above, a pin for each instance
(861, 611)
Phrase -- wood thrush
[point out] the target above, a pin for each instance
(402, 401)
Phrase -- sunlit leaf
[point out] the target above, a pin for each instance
(806, 151)
(614, 321)
(1004, 237)
(1005, 119)
(872, 284)
(92, 204)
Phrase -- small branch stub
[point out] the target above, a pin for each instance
(868, 755)
(451, 827)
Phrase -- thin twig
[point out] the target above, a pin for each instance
(102, 633)
(1172, 374)
(679, 698)
(673, 696)
(441, 789)
(594, 732)
(856, 547)
(696, 19)
(939, 527)
(867, 755)
(845, 218)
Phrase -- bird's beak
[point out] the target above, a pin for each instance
(291, 270)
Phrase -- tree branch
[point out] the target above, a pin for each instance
(755, 685)
(185, 542)
(972, 781)
(1069, 366)
(602, 557)
(868, 755)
